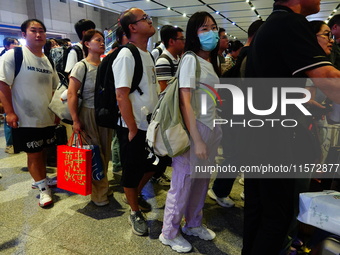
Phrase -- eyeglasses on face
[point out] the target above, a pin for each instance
(329, 35)
(146, 18)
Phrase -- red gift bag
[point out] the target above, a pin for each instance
(74, 167)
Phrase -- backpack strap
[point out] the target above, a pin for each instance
(170, 61)
(83, 82)
(159, 50)
(138, 71)
(18, 58)
(79, 52)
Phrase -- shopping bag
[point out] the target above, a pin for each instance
(74, 167)
(97, 164)
(321, 210)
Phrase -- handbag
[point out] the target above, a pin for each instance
(74, 167)
(58, 104)
(97, 164)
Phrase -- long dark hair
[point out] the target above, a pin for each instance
(193, 42)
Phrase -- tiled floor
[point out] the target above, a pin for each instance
(76, 226)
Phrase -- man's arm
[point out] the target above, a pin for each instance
(6, 99)
(125, 107)
(327, 78)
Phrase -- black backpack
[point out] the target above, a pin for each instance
(19, 57)
(105, 101)
(59, 57)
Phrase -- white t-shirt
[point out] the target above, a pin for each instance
(122, 68)
(72, 58)
(32, 88)
(155, 52)
(208, 76)
(78, 72)
(163, 67)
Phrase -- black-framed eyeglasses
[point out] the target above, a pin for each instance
(147, 18)
(329, 35)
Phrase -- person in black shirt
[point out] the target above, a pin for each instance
(284, 47)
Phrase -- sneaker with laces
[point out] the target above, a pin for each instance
(138, 223)
(222, 201)
(202, 232)
(163, 180)
(45, 197)
(51, 183)
(178, 244)
(9, 149)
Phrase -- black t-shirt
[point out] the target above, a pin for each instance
(284, 46)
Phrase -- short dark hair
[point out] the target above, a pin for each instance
(125, 19)
(192, 42)
(164, 31)
(8, 41)
(254, 27)
(334, 20)
(83, 25)
(316, 25)
(220, 30)
(88, 36)
(26, 23)
(169, 33)
(235, 45)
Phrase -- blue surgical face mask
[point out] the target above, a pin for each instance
(208, 40)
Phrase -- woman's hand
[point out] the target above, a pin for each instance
(201, 150)
(77, 127)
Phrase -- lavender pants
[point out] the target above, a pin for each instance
(187, 195)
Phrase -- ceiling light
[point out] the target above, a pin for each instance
(234, 23)
(217, 12)
(247, 1)
(169, 8)
(253, 8)
(184, 15)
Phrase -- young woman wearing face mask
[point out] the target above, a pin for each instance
(188, 191)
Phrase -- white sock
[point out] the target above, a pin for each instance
(42, 184)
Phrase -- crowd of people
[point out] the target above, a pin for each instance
(271, 205)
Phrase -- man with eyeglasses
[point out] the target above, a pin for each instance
(167, 63)
(284, 47)
(134, 108)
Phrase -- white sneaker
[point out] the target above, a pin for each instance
(178, 244)
(202, 232)
(222, 201)
(45, 198)
(51, 183)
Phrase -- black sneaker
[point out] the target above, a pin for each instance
(143, 205)
(138, 223)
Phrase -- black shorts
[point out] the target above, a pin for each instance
(134, 158)
(32, 140)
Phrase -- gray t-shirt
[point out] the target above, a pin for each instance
(78, 72)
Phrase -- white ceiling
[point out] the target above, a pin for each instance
(238, 11)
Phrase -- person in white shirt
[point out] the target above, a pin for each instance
(26, 102)
(77, 54)
(134, 108)
(167, 62)
(188, 191)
